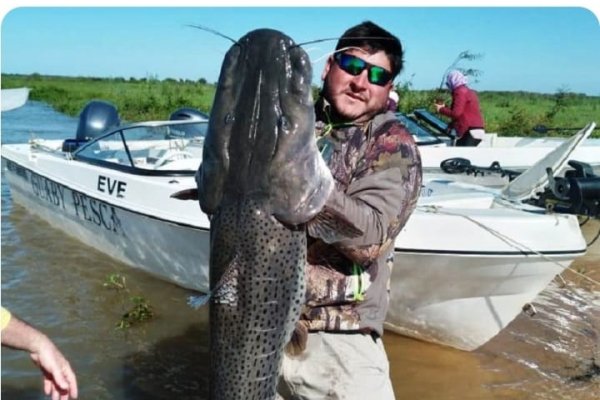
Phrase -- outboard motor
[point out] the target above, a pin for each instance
(579, 191)
(189, 114)
(96, 118)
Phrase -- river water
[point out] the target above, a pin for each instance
(58, 284)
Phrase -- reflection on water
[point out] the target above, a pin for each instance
(63, 292)
(555, 353)
(57, 283)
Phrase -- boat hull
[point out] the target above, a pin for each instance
(175, 252)
(482, 265)
(462, 301)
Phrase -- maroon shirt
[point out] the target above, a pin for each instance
(464, 111)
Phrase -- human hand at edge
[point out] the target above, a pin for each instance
(59, 379)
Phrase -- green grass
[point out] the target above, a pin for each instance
(516, 113)
(136, 99)
(506, 113)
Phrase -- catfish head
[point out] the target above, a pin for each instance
(261, 140)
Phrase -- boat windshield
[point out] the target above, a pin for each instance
(421, 135)
(152, 148)
(175, 147)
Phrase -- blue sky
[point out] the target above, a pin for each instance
(538, 49)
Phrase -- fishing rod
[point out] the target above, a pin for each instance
(458, 165)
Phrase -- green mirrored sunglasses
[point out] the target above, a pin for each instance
(354, 66)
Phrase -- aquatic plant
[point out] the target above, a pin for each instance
(137, 308)
(140, 311)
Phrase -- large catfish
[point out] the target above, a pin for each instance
(261, 179)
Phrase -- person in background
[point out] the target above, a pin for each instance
(336, 351)
(466, 118)
(59, 379)
(393, 100)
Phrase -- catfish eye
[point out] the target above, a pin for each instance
(283, 124)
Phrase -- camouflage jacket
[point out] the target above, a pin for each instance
(377, 170)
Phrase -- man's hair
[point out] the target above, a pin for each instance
(373, 38)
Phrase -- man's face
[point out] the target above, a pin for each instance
(353, 97)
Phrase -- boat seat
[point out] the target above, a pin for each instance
(169, 156)
(185, 164)
(489, 140)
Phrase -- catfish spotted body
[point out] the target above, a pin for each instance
(261, 180)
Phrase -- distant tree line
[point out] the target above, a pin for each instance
(506, 113)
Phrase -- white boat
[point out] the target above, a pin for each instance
(13, 98)
(512, 153)
(467, 261)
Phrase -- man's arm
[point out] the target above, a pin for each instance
(379, 204)
(380, 212)
(459, 102)
(59, 378)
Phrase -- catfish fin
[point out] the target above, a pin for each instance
(186, 194)
(299, 339)
(331, 226)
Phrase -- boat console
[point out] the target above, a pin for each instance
(433, 121)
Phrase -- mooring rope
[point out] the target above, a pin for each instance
(510, 241)
(594, 239)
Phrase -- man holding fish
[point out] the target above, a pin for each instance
(301, 242)
(336, 350)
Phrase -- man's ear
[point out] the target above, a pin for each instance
(326, 68)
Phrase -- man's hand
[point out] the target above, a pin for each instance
(59, 379)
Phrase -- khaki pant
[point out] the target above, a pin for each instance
(337, 366)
